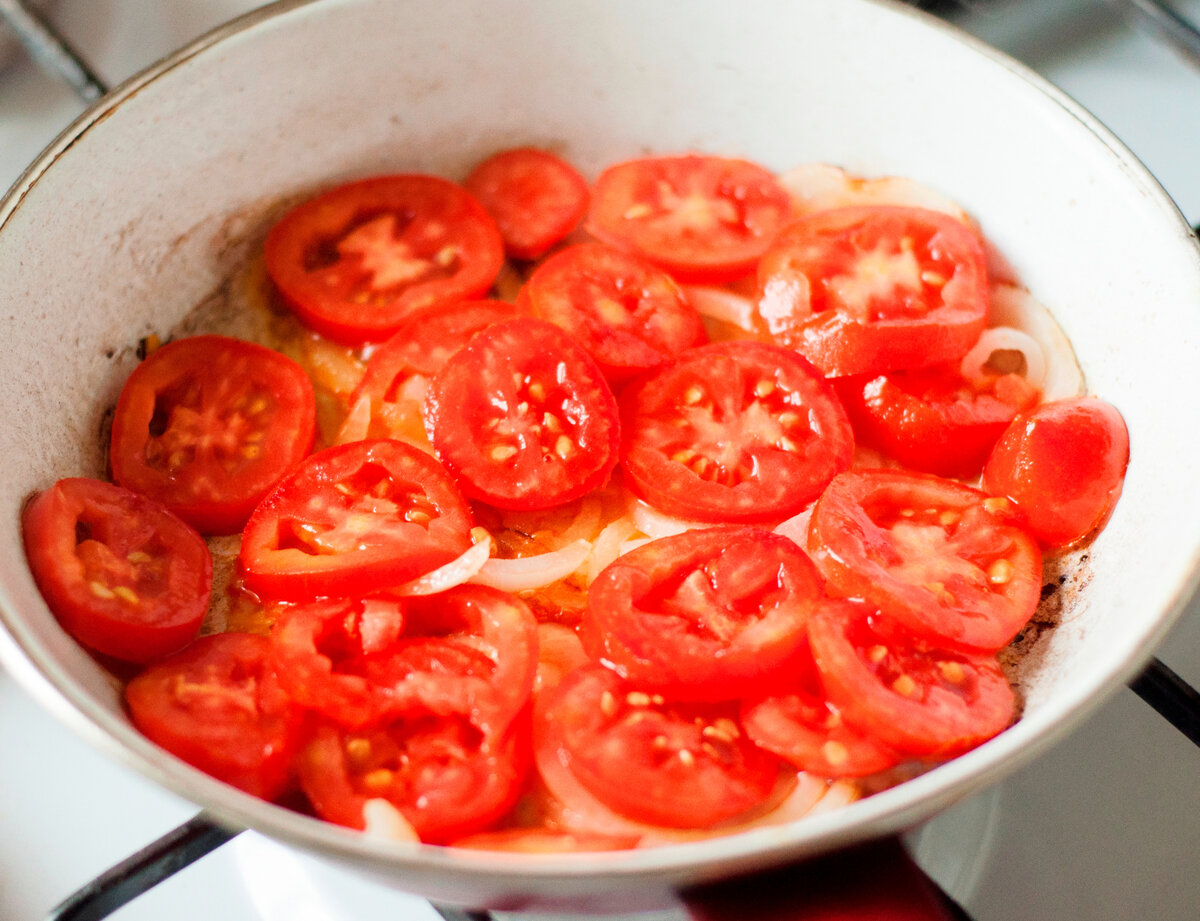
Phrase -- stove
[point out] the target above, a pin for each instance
(1103, 828)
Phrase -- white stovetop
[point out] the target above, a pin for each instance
(1104, 828)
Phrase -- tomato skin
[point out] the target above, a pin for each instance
(218, 706)
(865, 290)
(535, 197)
(741, 432)
(80, 535)
(800, 725)
(192, 420)
(703, 219)
(624, 746)
(444, 776)
(353, 519)
(629, 315)
(933, 419)
(1063, 465)
(706, 615)
(356, 261)
(942, 559)
(921, 700)
(523, 418)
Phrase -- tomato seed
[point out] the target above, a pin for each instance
(877, 653)
(764, 388)
(503, 452)
(380, 779)
(637, 699)
(564, 447)
(100, 590)
(608, 704)
(952, 671)
(126, 594)
(835, 753)
(1000, 572)
(905, 686)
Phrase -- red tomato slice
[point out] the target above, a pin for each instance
(934, 419)
(920, 700)
(542, 841)
(1063, 464)
(800, 725)
(536, 198)
(673, 765)
(208, 425)
(941, 558)
(872, 289)
(734, 432)
(398, 371)
(218, 706)
(354, 519)
(705, 615)
(355, 262)
(438, 770)
(703, 219)
(629, 315)
(523, 418)
(123, 575)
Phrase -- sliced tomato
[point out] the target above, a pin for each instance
(734, 432)
(1063, 464)
(208, 425)
(628, 314)
(703, 219)
(354, 519)
(871, 289)
(444, 776)
(934, 419)
(536, 198)
(544, 841)
(218, 706)
(398, 372)
(667, 764)
(800, 725)
(710, 614)
(921, 700)
(123, 575)
(355, 262)
(522, 417)
(943, 559)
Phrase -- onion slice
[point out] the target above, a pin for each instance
(653, 523)
(529, 572)
(383, 820)
(1016, 307)
(722, 305)
(795, 528)
(456, 572)
(819, 186)
(1005, 339)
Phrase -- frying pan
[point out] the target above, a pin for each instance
(137, 218)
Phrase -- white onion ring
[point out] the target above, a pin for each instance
(653, 523)
(1005, 339)
(529, 572)
(795, 528)
(357, 422)
(607, 547)
(383, 820)
(1016, 307)
(819, 186)
(456, 572)
(723, 305)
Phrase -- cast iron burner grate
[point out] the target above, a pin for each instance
(1168, 694)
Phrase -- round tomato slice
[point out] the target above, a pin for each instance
(629, 315)
(218, 706)
(703, 219)
(667, 764)
(734, 432)
(393, 386)
(1063, 465)
(711, 614)
(354, 519)
(800, 725)
(355, 262)
(522, 417)
(208, 425)
(536, 198)
(943, 559)
(871, 289)
(443, 775)
(122, 574)
(934, 419)
(922, 701)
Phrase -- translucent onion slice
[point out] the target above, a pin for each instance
(656, 524)
(795, 528)
(530, 572)
(1015, 307)
(723, 305)
(357, 422)
(819, 186)
(1005, 339)
(456, 572)
(383, 820)
(607, 547)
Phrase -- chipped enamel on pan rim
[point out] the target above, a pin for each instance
(47, 665)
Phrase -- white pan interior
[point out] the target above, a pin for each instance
(146, 206)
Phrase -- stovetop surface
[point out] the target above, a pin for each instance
(1103, 828)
